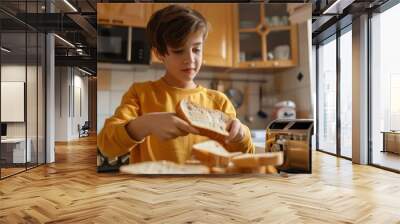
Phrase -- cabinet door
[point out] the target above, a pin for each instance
(124, 14)
(218, 45)
(103, 13)
(264, 37)
(135, 14)
(158, 6)
(281, 46)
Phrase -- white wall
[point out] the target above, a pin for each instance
(12, 73)
(67, 114)
(33, 127)
(293, 89)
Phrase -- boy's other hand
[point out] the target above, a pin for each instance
(167, 125)
(236, 132)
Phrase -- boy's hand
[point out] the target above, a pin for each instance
(167, 126)
(236, 132)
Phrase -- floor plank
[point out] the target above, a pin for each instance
(386, 159)
(70, 191)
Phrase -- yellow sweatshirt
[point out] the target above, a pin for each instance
(158, 96)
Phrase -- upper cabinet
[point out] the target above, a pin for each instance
(124, 14)
(218, 45)
(254, 35)
(264, 37)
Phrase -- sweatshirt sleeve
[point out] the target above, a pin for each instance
(246, 145)
(114, 140)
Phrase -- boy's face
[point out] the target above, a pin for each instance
(183, 63)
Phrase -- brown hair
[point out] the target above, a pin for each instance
(172, 25)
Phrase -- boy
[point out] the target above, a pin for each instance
(145, 123)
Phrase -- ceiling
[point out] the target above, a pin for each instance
(329, 16)
(76, 24)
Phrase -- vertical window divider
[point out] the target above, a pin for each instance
(369, 90)
(338, 100)
(69, 94)
(73, 92)
(37, 90)
(317, 97)
(26, 88)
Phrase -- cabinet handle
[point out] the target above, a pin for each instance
(104, 20)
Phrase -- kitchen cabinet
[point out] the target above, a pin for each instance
(263, 37)
(218, 45)
(158, 6)
(124, 14)
(240, 35)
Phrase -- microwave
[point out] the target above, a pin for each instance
(119, 44)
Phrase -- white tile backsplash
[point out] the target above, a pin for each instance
(103, 102)
(145, 74)
(121, 80)
(115, 99)
(100, 121)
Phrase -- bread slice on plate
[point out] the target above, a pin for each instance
(257, 160)
(163, 167)
(211, 153)
(211, 123)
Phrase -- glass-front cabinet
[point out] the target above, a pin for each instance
(265, 38)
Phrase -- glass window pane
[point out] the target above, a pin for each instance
(22, 85)
(327, 97)
(31, 101)
(14, 153)
(385, 89)
(346, 94)
(278, 45)
(276, 14)
(250, 47)
(249, 15)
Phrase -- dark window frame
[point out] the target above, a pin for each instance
(29, 29)
(334, 37)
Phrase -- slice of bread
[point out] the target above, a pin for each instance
(256, 160)
(211, 153)
(211, 123)
(163, 167)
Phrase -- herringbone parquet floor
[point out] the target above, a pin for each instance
(70, 191)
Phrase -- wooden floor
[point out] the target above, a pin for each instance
(386, 159)
(70, 191)
(10, 171)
